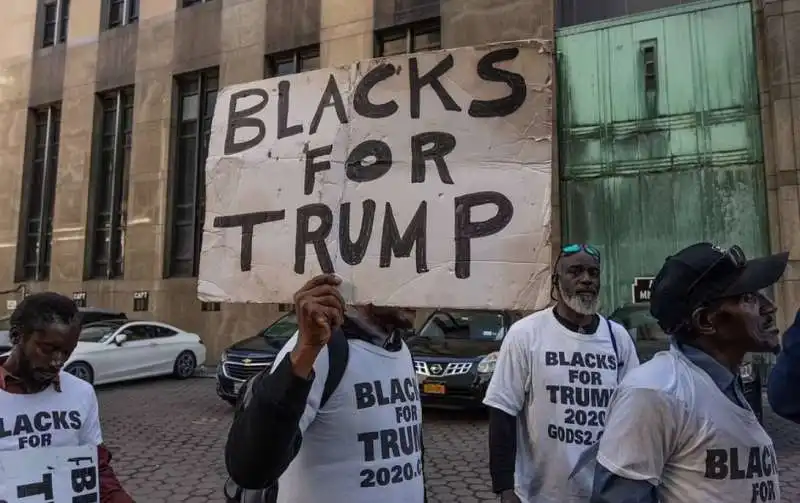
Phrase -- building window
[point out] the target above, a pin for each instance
(416, 37)
(39, 198)
(189, 3)
(56, 22)
(289, 62)
(121, 12)
(109, 185)
(210, 306)
(196, 96)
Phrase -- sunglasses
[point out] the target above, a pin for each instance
(572, 249)
(732, 259)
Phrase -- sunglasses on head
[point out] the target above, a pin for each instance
(572, 249)
(732, 259)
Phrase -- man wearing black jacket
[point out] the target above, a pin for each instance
(364, 444)
(783, 385)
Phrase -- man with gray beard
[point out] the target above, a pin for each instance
(552, 384)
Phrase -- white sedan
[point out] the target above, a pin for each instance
(113, 351)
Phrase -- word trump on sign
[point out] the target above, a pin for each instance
(52, 475)
(423, 180)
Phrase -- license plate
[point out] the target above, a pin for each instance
(236, 387)
(434, 389)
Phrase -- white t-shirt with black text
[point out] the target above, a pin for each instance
(50, 418)
(365, 445)
(558, 383)
(672, 426)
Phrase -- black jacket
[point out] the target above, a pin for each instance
(265, 435)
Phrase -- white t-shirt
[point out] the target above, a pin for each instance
(559, 384)
(364, 446)
(687, 437)
(50, 418)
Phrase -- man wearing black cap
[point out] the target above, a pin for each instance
(679, 429)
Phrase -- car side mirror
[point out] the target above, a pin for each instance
(119, 339)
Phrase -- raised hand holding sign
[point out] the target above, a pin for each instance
(320, 309)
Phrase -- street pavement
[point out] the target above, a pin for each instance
(167, 438)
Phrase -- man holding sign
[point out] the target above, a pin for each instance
(51, 447)
(553, 382)
(338, 418)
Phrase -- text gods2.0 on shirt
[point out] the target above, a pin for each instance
(36, 429)
(403, 441)
(585, 397)
(751, 463)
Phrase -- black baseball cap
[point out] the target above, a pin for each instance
(704, 272)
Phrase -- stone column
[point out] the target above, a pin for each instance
(346, 31)
(242, 38)
(778, 50)
(75, 146)
(17, 32)
(150, 157)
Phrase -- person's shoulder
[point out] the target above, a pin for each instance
(660, 373)
(620, 333)
(534, 321)
(74, 385)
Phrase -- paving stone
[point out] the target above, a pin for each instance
(167, 439)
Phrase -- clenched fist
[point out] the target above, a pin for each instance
(319, 308)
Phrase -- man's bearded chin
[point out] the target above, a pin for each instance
(30, 374)
(580, 304)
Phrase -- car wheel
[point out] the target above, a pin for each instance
(81, 370)
(185, 365)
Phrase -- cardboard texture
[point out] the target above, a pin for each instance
(49, 474)
(447, 153)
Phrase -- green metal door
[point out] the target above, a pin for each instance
(660, 138)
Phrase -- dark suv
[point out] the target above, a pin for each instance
(244, 359)
(650, 339)
(455, 354)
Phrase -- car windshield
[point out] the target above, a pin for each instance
(464, 325)
(5, 323)
(283, 328)
(643, 328)
(97, 333)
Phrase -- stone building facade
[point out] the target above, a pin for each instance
(106, 103)
(118, 94)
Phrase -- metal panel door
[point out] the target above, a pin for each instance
(660, 138)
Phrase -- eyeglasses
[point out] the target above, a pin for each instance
(572, 249)
(733, 257)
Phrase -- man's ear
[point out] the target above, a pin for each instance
(702, 321)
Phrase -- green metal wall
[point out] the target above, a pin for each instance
(660, 138)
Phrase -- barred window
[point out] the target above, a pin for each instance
(196, 97)
(109, 185)
(38, 197)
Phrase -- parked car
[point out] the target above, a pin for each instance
(5, 336)
(650, 339)
(121, 350)
(455, 353)
(88, 315)
(244, 359)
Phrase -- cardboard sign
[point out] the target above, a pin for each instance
(59, 474)
(422, 180)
